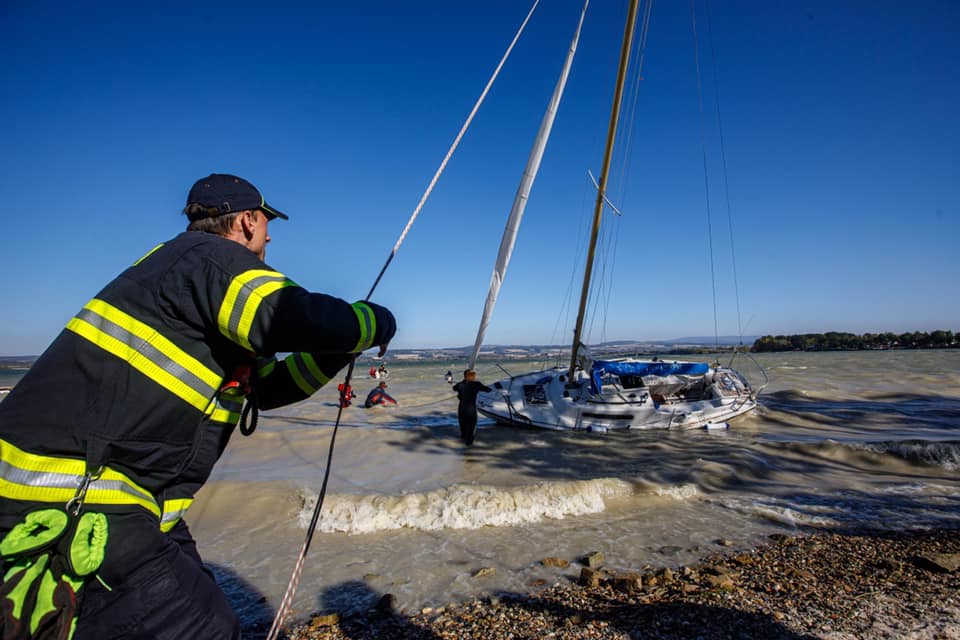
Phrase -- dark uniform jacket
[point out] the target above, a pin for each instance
(131, 388)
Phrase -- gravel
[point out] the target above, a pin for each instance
(832, 586)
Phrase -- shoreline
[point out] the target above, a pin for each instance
(827, 585)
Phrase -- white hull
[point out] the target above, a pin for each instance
(545, 399)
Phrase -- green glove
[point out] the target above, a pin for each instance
(44, 570)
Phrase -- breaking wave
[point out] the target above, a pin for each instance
(922, 452)
(463, 506)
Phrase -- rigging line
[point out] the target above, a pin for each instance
(726, 183)
(611, 240)
(706, 180)
(284, 607)
(634, 102)
(566, 306)
(604, 175)
(456, 142)
(627, 154)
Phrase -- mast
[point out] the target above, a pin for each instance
(523, 193)
(601, 190)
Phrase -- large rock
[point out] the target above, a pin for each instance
(589, 577)
(942, 562)
(593, 559)
(627, 582)
(555, 562)
(328, 620)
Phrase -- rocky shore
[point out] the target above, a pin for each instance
(830, 586)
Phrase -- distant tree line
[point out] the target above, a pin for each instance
(841, 341)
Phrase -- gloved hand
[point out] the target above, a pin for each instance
(386, 327)
(46, 560)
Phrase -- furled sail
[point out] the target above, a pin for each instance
(523, 193)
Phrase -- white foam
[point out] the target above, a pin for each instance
(463, 506)
(791, 517)
(682, 492)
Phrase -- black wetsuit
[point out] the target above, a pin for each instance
(467, 391)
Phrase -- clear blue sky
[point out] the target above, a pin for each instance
(840, 123)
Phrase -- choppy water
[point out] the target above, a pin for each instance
(840, 440)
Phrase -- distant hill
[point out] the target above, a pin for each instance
(692, 344)
(16, 362)
(609, 349)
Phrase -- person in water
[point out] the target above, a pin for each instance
(467, 390)
(379, 395)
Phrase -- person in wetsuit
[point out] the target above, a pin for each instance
(467, 390)
(378, 395)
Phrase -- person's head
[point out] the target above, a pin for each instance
(383, 385)
(469, 374)
(231, 207)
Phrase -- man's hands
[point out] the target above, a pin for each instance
(386, 327)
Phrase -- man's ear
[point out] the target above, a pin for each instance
(248, 221)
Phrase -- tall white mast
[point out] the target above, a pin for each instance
(523, 193)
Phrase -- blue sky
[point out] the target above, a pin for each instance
(839, 123)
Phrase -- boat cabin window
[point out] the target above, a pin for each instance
(631, 381)
(534, 394)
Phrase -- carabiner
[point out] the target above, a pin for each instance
(75, 503)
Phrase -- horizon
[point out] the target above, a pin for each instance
(836, 177)
(685, 341)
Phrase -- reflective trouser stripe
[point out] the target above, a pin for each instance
(368, 326)
(173, 511)
(305, 372)
(265, 367)
(35, 478)
(242, 300)
(153, 355)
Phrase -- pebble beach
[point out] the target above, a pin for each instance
(831, 586)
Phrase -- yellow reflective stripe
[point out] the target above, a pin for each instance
(147, 254)
(266, 368)
(244, 295)
(35, 478)
(305, 372)
(368, 326)
(149, 352)
(314, 369)
(173, 511)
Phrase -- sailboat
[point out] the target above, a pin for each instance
(620, 393)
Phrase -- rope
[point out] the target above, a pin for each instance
(456, 142)
(706, 180)
(427, 404)
(726, 182)
(298, 567)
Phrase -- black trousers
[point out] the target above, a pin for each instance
(467, 417)
(158, 589)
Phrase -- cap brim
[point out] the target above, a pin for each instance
(273, 213)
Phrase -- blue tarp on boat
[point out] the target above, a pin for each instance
(620, 368)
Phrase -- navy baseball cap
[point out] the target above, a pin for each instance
(221, 193)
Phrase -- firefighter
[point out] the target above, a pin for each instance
(108, 437)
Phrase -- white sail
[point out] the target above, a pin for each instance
(523, 193)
